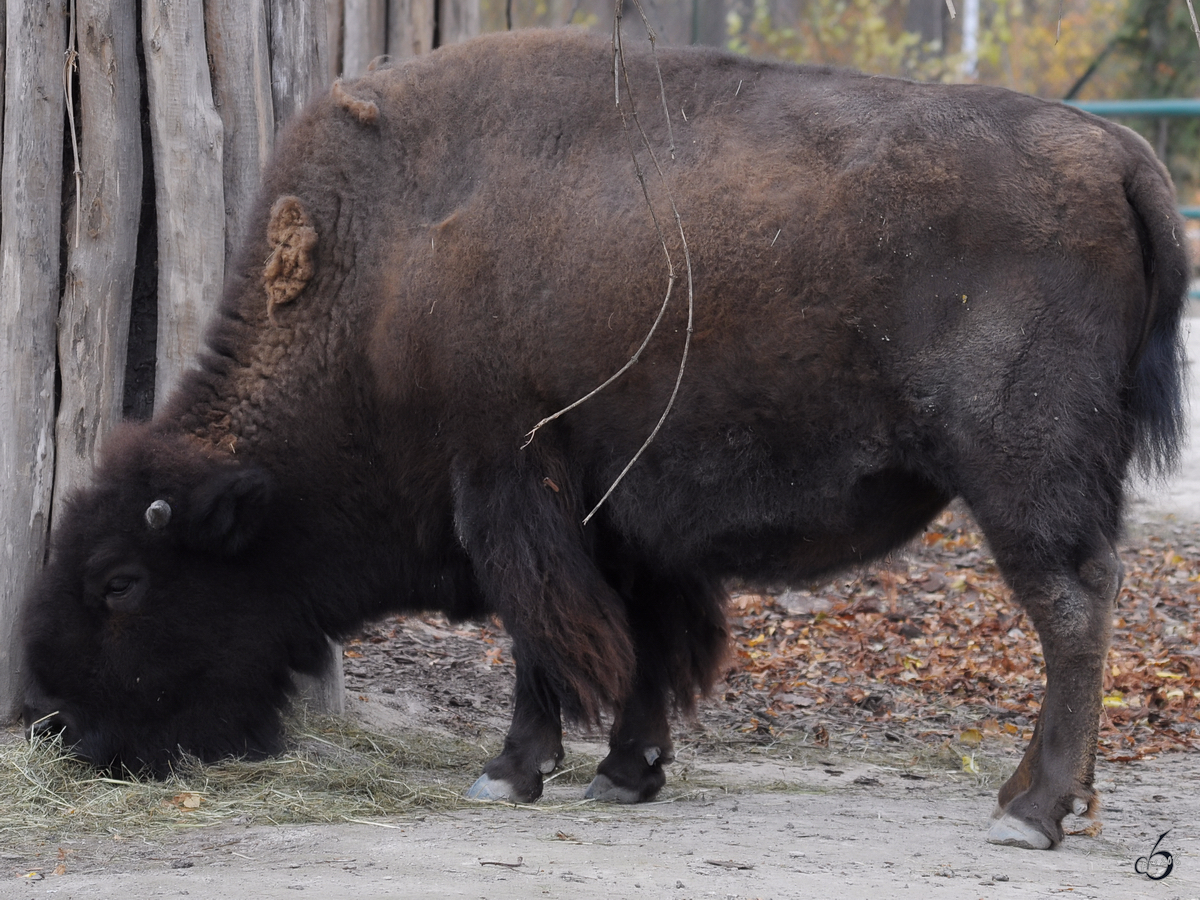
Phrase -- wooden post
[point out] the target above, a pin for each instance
(30, 235)
(333, 33)
(299, 54)
(364, 35)
(410, 28)
(239, 56)
(101, 234)
(457, 21)
(186, 134)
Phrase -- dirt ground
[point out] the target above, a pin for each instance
(763, 825)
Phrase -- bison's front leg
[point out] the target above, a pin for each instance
(1073, 616)
(533, 747)
(639, 746)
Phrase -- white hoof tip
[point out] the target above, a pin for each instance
(486, 788)
(1013, 832)
(602, 788)
(1079, 806)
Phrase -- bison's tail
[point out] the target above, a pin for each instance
(1157, 389)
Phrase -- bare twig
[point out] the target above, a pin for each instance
(950, 7)
(687, 341)
(1195, 24)
(70, 63)
(621, 73)
(520, 862)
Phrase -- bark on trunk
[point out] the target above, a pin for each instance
(457, 21)
(240, 58)
(101, 234)
(186, 134)
(30, 235)
(410, 28)
(299, 54)
(364, 35)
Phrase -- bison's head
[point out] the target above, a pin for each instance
(157, 626)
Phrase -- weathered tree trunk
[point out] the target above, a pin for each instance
(364, 35)
(239, 54)
(457, 21)
(333, 33)
(30, 233)
(410, 28)
(299, 54)
(186, 134)
(101, 233)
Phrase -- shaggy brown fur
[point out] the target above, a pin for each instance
(289, 267)
(364, 110)
(903, 293)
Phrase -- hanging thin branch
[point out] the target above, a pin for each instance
(621, 73)
(1195, 24)
(70, 63)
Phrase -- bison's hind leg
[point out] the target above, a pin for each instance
(680, 638)
(1069, 597)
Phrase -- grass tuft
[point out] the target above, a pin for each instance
(332, 771)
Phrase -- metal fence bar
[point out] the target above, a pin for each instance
(1171, 107)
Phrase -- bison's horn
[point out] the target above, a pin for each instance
(158, 514)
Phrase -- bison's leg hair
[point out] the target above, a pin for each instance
(639, 746)
(1072, 611)
(519, 523)
(533, 747)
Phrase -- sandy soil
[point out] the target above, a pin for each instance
(765, 826)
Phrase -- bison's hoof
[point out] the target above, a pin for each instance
(603, 788)
(1013, 832)
(488, 788)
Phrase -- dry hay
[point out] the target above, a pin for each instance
(333, 771)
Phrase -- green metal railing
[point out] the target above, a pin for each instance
(1155, 109)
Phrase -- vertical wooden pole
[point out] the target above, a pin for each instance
(30, 236)
(410, 28)
(333, 17)
(186, 134)
(101, 234)
(457, 20)
(364, 35)
(299, 54)
(239, 56)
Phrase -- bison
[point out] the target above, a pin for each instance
(892, 294)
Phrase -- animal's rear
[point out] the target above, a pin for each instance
(1156, 392)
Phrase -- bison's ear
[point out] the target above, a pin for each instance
(228, 510)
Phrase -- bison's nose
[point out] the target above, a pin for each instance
(40, 723)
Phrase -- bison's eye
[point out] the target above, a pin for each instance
(123, 591)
